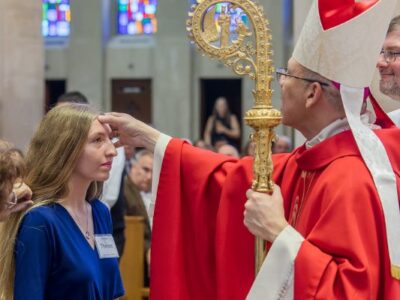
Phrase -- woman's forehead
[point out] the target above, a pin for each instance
(98, 127)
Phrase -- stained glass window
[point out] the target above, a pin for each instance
(56, 18)
(137, 17)
(236, 15)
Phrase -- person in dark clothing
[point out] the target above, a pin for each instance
(222, 126)
(137, 187)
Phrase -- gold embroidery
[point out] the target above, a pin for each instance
(395, 270)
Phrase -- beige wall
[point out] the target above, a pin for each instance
(300, 9)
(21, 65)
(173, 64)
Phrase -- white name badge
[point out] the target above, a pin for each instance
(106, 246)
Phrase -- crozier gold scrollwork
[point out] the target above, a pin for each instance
(247, 50)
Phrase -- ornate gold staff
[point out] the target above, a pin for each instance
(236, 49)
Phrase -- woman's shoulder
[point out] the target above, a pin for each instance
(40, 215)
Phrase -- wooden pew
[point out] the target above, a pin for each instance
(132, 261)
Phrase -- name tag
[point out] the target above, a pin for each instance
(105, 246)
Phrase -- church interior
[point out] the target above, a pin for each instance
(131, 56)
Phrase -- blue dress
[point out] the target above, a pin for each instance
(54, 260)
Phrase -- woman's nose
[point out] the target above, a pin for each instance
(111, 150)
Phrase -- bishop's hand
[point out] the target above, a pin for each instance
(264, 214)
(130, 131)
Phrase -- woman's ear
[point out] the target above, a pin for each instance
(313, 94)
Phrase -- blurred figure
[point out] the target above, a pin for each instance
(72, 97)
(249, 149)
(219, 143)
(228, 150)
(203, 145)
(137, 191)
(129, 154)
(222, 125)
(113, 197)
(282, 145)
(14, 194)
(388, 66)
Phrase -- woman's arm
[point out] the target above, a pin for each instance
(234, 132)
(207, 130)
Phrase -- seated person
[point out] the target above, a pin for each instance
(283, 144)
(229, 150)
(137, 189)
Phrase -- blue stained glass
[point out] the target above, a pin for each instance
(131, 28)
(134, 7)
(63, 28)
(56, 18)
(150, 9)
(123, 20)
(45, 28)
(236, 15)
(52, 30)
(137, 17)
(52, 15)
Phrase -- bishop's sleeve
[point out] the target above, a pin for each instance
(200, 247)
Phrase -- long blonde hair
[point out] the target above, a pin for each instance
(51, 160)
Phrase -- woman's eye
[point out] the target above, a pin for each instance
(98, 140)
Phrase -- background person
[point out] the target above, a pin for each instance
(73, 97)
(282, 145)
(228, 150)
(389, 66)
(137, 185)
(222, 126)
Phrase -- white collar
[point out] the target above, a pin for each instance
(339, 126)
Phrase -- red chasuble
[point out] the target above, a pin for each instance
(202, 250)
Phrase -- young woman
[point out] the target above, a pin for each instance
(63, 246)
(222, 126)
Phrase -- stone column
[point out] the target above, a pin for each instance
(172, 81)
(21, 67)
(85, 54)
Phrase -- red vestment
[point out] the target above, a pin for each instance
(202, 250)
